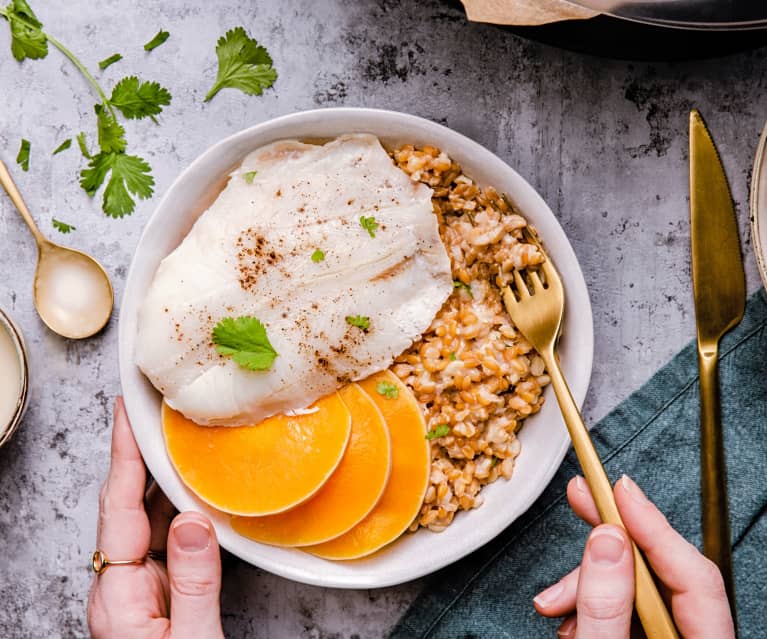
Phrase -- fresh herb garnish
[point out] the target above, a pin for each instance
(494, 463)
(244, 340)
(23, 157)
(458, 284)
(136, 99)
(369, 224)
(248, 177)
(27, 37)
(62, 227)
(242, 64)
(318, 256)
(83, 146)
(108, 62)
(452, 356)
(360, 321)
(129, 175)
(387, 389)
(63, 146)
(438, 431)
(155, 42)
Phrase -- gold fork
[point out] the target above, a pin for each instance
(538, 316)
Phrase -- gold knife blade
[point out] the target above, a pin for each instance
(719, 288)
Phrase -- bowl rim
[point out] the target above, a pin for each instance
(757, 204)
(375, 577)
(17, 337)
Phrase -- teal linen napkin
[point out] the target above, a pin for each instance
(653, 437)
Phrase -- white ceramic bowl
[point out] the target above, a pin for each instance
(759, 206)
(544, 438)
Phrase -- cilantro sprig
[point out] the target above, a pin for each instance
(242, 64)
(369, 224)
(360, 321)
(63, 146)
(438, 431)
(158, 39)
(108, 62)
(22, 159)
(318, 256)
(387, 389)
(244, 340)
(62, 227)
(125, 177)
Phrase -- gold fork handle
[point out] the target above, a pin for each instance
(653, 614)
(716, 518)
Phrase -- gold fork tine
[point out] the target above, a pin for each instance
(538, 316)
(522, 290)
(536, 280)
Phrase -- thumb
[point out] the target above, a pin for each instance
(194, 573)
(605, 598)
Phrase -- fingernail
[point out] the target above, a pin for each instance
(567, 629)
(550, 595)
(192, 536)
(580, 484)
(634, 491)
(606, 546)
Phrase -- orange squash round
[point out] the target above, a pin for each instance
(348, 496)
(408, 480)
(262, 469)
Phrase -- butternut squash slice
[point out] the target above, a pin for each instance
(260, 469)
(348, 496)
(408, 480)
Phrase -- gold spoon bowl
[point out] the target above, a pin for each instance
(72, 291)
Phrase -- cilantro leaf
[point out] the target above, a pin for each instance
(155, 42)
(452, 356)
(438, 431)
(63, 146)
(360, 321)
(137, 99)
(27, 37)
(458, 284)
(62, 227)
(22, 159)
(128, 174)
(387, 389)
(318, 256)
(245, 340)
(248, 177)
(106, 62)
(83, 146)
(369, 224)
(111, 133)
(242, 64)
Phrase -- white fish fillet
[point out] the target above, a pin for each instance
(250, 254)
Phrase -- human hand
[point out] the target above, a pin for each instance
(597, 597)
(148, 601)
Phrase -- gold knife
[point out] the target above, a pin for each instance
(719, 286)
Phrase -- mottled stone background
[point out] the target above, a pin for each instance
(604, 142)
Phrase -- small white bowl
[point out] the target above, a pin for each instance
(759, 206)
(544, 437)
(17, 339)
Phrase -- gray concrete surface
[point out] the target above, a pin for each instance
(604, 142)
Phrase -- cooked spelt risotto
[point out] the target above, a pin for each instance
(475, 376)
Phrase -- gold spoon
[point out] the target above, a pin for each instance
(72, 291)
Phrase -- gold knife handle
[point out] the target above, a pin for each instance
(713, 473)
(651, 608)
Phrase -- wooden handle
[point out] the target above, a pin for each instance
(713, 474)
(10, 188)
(656, 620)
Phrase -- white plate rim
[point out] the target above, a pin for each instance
(392, 566)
